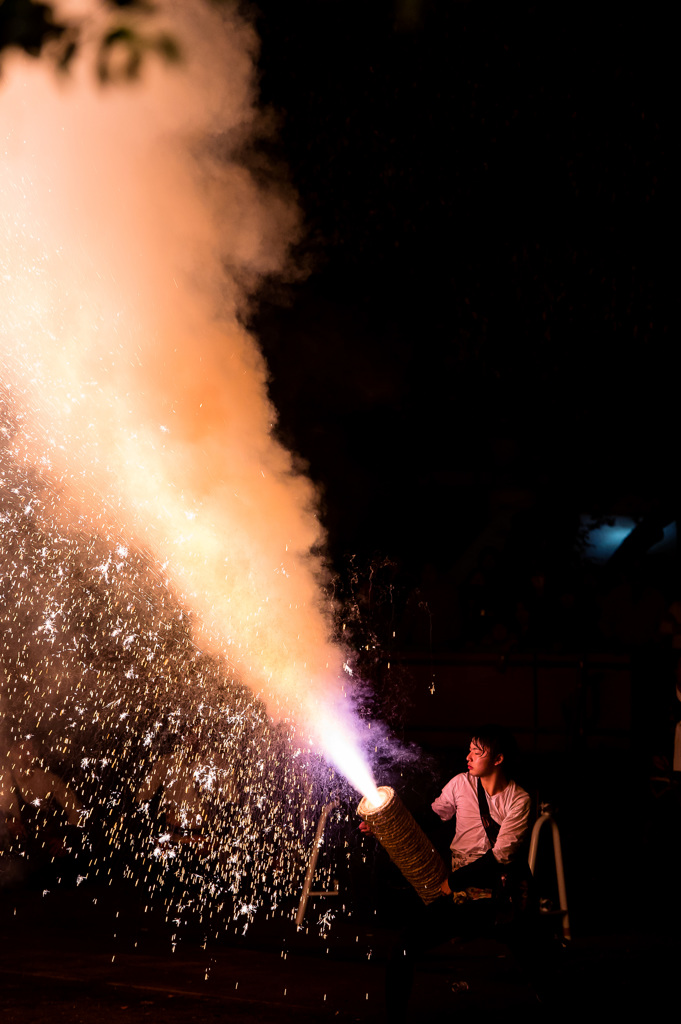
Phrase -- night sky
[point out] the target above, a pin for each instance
(484, 321)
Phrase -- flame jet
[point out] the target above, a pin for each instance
(132, 232)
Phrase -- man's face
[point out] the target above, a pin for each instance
(480, 763)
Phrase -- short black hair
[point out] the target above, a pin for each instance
(497, 739)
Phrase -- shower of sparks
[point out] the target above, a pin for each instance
(144, 400)
(157, 543)
(202, 799)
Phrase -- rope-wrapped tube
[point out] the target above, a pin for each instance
(405, 842)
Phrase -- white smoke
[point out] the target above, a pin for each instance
(132, 233)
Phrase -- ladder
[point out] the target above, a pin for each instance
(312, 863)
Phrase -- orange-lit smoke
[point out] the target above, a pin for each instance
(132, 232)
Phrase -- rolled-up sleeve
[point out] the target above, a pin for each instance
(513, 828)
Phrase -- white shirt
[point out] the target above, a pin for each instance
(510, 808)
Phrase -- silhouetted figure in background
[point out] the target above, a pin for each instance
(36, 810)
(181, 781)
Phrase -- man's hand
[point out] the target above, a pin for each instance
(366, 828)
(445, 888)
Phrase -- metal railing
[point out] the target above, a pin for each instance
(544, 818)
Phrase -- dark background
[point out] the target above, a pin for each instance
(474, 363)
(485, 321)
(479, 366)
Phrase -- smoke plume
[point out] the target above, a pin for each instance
(134, 231)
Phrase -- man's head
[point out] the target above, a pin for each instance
(492, 748)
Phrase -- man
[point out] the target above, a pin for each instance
(38, 814)
(23, 784)
(485, 851)
(176, 776)
(489, 878)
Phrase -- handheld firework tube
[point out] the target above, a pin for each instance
(405, 842)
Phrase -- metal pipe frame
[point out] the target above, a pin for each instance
(545, 817)
(312, 863)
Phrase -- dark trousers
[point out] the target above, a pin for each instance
(432, 925)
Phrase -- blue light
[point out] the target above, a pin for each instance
(603, 541)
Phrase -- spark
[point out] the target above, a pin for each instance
(143, 585)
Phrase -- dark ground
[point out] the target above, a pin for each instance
(91, 956)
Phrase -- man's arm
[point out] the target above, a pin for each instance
(486, 871)
(483, 873)
(42, 785)
(513, 829)
(445, 805)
